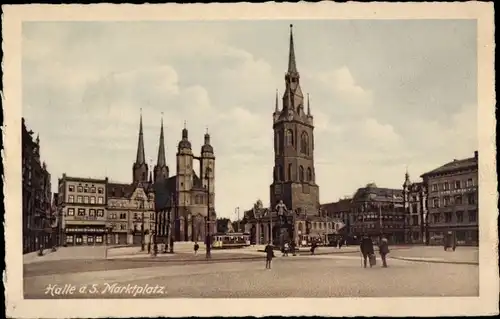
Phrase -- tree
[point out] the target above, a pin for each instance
(222, 224)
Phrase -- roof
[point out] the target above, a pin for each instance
(84, 179)
(378, 194)
(339, 206)
(453, 166)
(120, 190)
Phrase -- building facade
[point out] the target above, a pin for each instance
(36, 194)
(293, 191)
(379, 211)
(453, 201)
(341, 212)
(83, 204)
(415, 205)
(127, 212)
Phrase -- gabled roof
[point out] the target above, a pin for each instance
(455, 165)
(120, 190)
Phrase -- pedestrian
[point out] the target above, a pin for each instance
(149, 247)
(287, 247)
(196, 247)
(366, 247)
(384, 250)
(341, 242)
(269, 255)
(313, 247)
(293, 246)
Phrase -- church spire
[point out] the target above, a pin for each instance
(140, 159)
(161, 148)
(292, 66)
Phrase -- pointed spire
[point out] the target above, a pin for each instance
(185, 131)
(207, 137)
(140, 159)
(292, 66)
(308, 105)
(161, 148)
(276, 108)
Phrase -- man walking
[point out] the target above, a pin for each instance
(366, 248)
(269, 255)
(196, 247)
(384, 250)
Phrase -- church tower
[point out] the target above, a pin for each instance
(184, 170)
(161, 168)
(140, 167)
(294, 178)
(207, 167)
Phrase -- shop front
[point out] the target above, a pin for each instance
(91, 235)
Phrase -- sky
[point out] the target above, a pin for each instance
(386, 95)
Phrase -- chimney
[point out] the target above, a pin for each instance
(475, 155)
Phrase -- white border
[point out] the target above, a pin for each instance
(487, 303)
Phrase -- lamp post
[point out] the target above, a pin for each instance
(208, 236)
(107, 230)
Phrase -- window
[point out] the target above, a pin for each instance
(100, 213)
(79, 199)
(92, 199)
(414, 208)
(100, 190)
(446, 201)
(471, 198)
(472, 216)
(289, 137)
(309, 174)
(469, 182)
(92, 189)
(304, 143)
(434, 187)
(290, 171)
(437, 218)
(446, 186)
(301, 173)
(152, 216)
(98, 239)
(100, 200)
(435, 202)
(71, 188)
(414, 220)
(92, 212)
(90, 239)
(69, 239)
(447, 217)
(458, 200)
(80, 189)
(460, 217)
(123, 215)
(135, 216)
(71, 212)
(123, 226)
(458, 185)
(85, 199)
(81, 211)
(71, 199)
(86, 189)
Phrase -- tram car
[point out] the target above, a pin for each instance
(231, 240)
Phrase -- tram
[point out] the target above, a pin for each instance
(230, 240)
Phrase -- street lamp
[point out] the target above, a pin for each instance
(107, 230)
(141, 201)
(208, 236)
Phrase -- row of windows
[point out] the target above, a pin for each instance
(447, 217)
(456, 200)
(305, 175)
(124, 216)
(79, 239)
(369, 217)
(86, 189)
(445, 186)
(290, 141)
(86, 199)
(83, 212)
